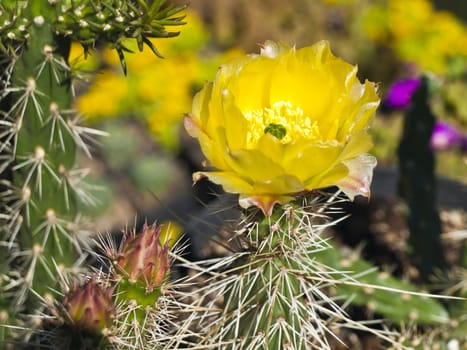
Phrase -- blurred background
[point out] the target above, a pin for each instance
(142, 170)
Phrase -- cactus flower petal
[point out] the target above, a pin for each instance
(285, 121)
(358, 180)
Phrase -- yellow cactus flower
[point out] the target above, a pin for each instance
(285, 121)
(171, 231)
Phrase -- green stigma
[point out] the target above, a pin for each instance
(276, 130)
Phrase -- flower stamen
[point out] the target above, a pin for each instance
(284, 121)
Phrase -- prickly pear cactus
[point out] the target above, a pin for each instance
(41, 188)
(288, 285)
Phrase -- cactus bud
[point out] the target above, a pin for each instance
(142, 258)
(90, 306)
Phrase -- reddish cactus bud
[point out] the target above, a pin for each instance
(142, 258)
(90, 306)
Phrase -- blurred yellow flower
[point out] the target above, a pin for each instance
(104, 96)
(417, 32)
(375, 23)
(406, 17)
(285, 121)
(171, 231)
(79, 61)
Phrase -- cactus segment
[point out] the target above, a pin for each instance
(380, 292)
(288, 286)
(90, 22)
(41, 91)
(416, 184)
(42, 191)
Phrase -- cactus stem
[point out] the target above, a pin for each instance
(74, 180)
(34, 256)
(30, 93)
(59, 228)
(14, 227)
(277, 293)
(17, 199)
(57, 121)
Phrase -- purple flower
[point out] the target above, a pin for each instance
(445, 136)
(400, 93)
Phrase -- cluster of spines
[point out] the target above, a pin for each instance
(288, 287)
(41, 189)
(13, 26)
(133, 304)
(90, 22)
(40, 226)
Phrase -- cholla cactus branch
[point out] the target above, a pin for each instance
(41, 188)
(276, 294)
(147, 303)
(114, 21)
